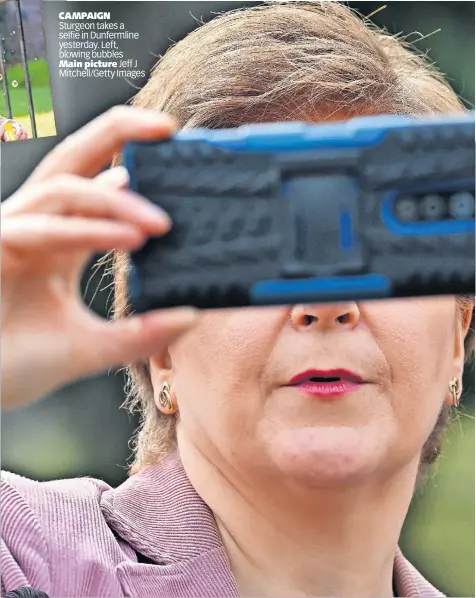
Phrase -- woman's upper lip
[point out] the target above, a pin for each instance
(338, 373)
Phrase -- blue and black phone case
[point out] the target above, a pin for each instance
(289, 212)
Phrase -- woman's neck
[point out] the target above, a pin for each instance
(333, 555)
(304, 543)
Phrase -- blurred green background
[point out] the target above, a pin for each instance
(40, 87)
(82, 431)
(14, 68)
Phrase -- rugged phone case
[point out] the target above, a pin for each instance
(289, 212)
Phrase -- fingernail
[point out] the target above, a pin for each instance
(119, 175)
(183, 316)
(172, 319)
(157, 214)
(155, 117)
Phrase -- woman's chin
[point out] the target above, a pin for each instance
(326, 456)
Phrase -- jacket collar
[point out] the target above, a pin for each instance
(159, 514)
(409, 581)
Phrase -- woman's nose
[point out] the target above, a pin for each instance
(325, 316)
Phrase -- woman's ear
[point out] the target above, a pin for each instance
(468, 327)
(160, 367)
(161, 361)
(463, 323)
(468, 313)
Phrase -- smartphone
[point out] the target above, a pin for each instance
(284, 213)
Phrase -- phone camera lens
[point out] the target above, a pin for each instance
(462, 206)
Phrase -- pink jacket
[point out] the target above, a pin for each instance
(81, 538)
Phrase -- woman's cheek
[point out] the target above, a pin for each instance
(231, 344)
(417, 334)
(217, 371)
(419, 351)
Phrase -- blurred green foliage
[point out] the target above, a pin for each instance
(40, 86)
(38, 70)
(438, 536)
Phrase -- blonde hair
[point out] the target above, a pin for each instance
(309, 61)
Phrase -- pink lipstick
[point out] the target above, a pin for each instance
(326, 384)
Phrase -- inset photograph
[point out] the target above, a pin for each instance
(26, 106)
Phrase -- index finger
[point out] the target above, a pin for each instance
(91, 148)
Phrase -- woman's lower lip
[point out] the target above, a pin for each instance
(328, 390)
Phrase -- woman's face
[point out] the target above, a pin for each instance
(232, 379)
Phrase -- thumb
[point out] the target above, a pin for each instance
(122, 342)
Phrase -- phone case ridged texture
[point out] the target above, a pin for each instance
(226, 230)
(242, 217)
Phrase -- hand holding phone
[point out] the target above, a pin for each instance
(51, 227)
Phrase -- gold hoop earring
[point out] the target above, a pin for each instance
(454, 391)
(166, 402)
